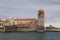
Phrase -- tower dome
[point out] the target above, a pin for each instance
(41, 9)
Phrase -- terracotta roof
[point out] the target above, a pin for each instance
(2, 20)
(23, 25)
(17, 19)
(27, 19)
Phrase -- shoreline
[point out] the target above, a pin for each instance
(27, 31)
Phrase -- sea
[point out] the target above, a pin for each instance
(30, 36)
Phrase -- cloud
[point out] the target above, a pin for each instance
(29, 9)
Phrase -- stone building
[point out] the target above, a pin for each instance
(9, 28)
(7, 25)
(40, 20)
(10, 21)
(25, 24)
(2, 24)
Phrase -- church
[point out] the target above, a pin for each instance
(25, 24)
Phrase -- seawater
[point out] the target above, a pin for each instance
(30, 36)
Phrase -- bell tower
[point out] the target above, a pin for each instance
(40, 20)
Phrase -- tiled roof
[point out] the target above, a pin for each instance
(27, 19)
(2, 20)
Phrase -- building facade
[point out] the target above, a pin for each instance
(40, 20)
(25, 24)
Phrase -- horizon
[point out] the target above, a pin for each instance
(29, 9)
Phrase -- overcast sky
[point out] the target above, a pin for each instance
(29, 9)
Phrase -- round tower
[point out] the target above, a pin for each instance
(41, 19)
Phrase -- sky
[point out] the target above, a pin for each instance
(29, 9)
